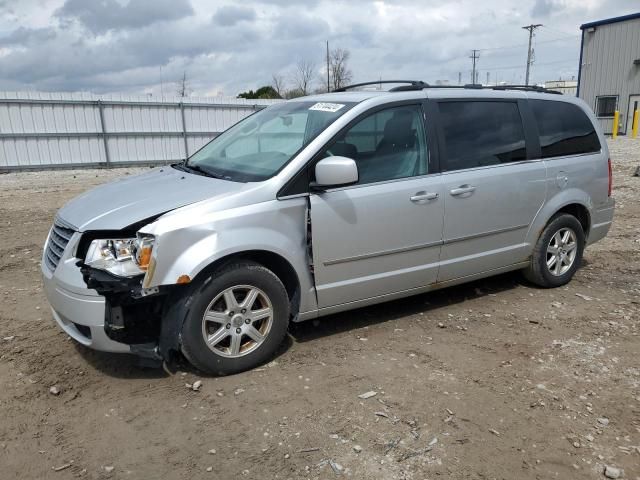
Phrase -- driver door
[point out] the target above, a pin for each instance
(382, 235)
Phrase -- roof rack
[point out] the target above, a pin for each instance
(477, 86)
(419, 85)
(411, 84)
(526, 88)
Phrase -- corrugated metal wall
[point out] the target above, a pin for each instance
(607, 67)
(49, 130)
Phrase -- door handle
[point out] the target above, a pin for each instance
(423, 196)
(462, 189)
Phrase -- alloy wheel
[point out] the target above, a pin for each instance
(237, 321)
(561, 251)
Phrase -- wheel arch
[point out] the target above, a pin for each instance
(580, 212)
(275, 262)
(572, 201)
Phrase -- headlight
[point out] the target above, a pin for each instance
(125, 257)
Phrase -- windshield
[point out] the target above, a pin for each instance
(260, 145)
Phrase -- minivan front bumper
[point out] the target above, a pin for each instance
(80, 312)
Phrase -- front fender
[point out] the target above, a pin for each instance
(188, 248)
(203, 252)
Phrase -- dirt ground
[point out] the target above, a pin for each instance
(490, 380)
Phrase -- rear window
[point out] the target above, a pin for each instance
(564, 129)
(482, 133)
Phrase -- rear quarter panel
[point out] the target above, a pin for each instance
(578, 179)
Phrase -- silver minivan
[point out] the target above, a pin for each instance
(329, 203)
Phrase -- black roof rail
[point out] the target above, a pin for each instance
(478, 86)
(411, 85)
(419, 85)
(526, 88)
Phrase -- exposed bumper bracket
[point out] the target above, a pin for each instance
(148, 320)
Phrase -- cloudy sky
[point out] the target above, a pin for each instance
(144, 46)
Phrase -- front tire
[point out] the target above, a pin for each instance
(557, 253)
(237, 319)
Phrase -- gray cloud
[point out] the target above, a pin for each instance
(120, 46)
(22, 35)
(299, 26)
(104, 15)
(229, 15)
(542, 8)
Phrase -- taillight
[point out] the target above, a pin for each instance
(610, 179)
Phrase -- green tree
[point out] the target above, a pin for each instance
(263, 92)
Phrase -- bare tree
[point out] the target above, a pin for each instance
(303, 76)
(277, 82)
(339, 72)
(293, 93)
(182, 87)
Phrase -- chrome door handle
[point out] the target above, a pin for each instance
(422, 196)
(462, 189)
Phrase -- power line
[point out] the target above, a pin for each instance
(520, 45)
(531, 28)
(507, 67)
(561, 32)
(566, 61)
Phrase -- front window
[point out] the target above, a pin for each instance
(386, 145)
(257, 147)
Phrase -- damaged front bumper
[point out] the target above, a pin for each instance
(139, 317)
(77, 310)
(110, 313)
(113, 314)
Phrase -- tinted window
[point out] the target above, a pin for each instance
(606, 106)
(564, 129)
(482, 133)
(386, 145)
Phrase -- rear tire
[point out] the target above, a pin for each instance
(237, 319)
(557, 253)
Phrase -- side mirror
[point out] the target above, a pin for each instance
(335, 172)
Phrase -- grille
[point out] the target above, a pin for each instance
(60, 235)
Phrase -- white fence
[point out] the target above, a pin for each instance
(67, 130)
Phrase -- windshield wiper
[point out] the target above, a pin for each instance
(179, 166)
(202, 171)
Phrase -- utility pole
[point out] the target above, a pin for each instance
(488, 75)
(459, 78)
(531, 29)
(328, 86)
(474, 56)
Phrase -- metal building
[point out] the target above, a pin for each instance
(609, 71)
(565, 87)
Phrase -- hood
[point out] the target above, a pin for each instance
(118, 204)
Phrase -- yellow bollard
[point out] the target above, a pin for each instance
(636, 120)
(614, 130)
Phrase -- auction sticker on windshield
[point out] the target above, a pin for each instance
(326, 107)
